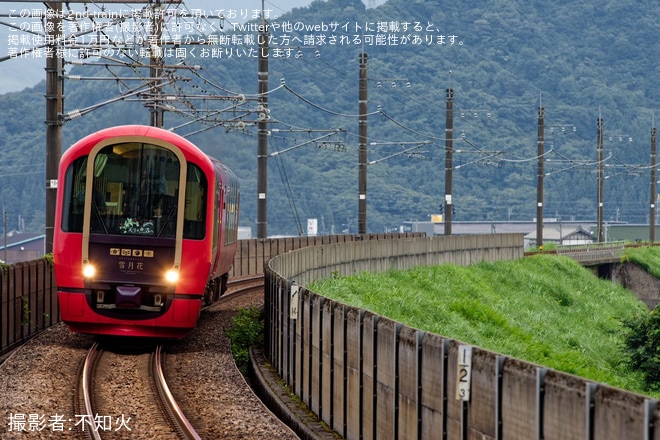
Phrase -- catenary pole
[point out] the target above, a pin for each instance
(156, 69)
(540, 145)
(449, 160)
(4, 225)
(54, 108)
(653, 190)
(262, 129)
(363, 106)
(601, 232)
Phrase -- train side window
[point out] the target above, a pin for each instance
(231, 213)
(195, 210)
(74, 186)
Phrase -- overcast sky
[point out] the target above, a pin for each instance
(17, 74)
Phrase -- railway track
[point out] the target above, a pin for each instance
(121, 390)
(143, 376)
(243, 286)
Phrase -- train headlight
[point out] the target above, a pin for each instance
(88, 270)
(172, 275)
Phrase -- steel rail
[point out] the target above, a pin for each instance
(169, 403)
(86, 385)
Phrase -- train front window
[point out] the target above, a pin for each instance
(135, 190)
(137, 185)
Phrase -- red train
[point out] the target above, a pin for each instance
(145, 232)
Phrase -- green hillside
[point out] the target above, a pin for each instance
(646, 257)
(503, 59)
(543, 309)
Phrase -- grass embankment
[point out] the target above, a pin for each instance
(544, 309)
(646, 257)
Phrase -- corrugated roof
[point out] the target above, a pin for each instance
(20, 239)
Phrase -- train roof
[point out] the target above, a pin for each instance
(84, 146)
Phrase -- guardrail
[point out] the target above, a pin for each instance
(369, 377)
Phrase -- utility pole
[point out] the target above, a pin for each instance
(262, 128)
(653, 193)
(156, 67)
(4, 225)
(54, 107)
(362, 144)
(449, 160)
(540, 145)
(601, 231)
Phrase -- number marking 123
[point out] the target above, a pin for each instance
(464, 372)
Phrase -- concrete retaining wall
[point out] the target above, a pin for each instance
(369, 377)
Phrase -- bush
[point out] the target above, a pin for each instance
(246, 330)
(643, 345)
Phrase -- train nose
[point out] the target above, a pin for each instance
(128, 297)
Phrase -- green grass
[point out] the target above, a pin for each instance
(544, 309)
(646, 257)
(246, 330)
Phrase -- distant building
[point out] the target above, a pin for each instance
(628, 232)
(21, 247)
(561, 236)
(244, 232)
(427, 227)
(554, 231)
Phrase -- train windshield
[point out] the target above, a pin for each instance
(134, 191)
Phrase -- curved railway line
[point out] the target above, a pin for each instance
(100, 379)
(243, 286)
(97, 399)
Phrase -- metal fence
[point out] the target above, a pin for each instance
(28, 301)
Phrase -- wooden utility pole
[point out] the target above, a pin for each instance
(653, 190)
(362, 144)
(449, 160)
(540, 145)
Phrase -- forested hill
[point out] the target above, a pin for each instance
(503, 59)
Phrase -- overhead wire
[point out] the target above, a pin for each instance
(400, 124)
(289, 193)
(302, 98)
(583, 164)
(341, 76)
